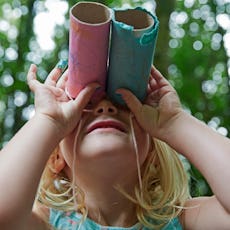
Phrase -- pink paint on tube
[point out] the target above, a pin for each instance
(88, 46)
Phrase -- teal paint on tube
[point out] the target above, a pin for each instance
(133, 41)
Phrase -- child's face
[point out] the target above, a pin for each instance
(105, 138)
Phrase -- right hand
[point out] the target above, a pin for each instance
(161, 108)
(51, 101)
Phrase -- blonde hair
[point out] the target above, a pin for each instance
(164, 189)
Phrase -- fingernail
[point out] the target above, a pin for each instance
(62, 64)
(118, 93)
(98, 87)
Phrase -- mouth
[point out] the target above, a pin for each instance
(106, 125)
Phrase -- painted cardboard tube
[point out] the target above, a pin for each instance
(88, 46)
(133, 40)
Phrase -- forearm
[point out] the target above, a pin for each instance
(207, 150)
(21, 164)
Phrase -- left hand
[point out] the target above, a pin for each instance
(161, 108)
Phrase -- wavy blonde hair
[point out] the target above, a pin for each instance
(161, 198)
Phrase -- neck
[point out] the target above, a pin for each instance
(112, 210)
(106, 205)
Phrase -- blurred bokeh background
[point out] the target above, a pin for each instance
(193, 52)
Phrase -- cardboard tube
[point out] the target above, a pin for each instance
(88, 46)
(133, 40)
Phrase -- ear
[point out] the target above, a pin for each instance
(56, 162)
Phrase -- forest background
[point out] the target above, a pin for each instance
(192, 51)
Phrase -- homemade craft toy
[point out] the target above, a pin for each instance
(113, 47)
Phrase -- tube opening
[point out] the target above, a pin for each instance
(91, 12)
(139, 19)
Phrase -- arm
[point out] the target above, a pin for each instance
(21, 165)
(210, 153)
(205, 213)
(24, 157)
(163, 118)
(207, 150)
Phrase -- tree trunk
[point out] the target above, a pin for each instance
(163, 10)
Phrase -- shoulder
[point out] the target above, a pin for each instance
(205, 213)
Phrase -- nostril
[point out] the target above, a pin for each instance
(111, 110)
(100, 110)
(105, 107)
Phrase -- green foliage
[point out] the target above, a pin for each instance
(198, 69)
(189, 50)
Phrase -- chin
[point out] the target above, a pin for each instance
(105, 145)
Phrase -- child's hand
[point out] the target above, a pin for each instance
(52, 102)
(161, 108)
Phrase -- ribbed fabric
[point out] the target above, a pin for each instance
(73, 221)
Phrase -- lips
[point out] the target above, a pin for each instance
(106, 124)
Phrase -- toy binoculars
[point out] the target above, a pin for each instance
(112, 47)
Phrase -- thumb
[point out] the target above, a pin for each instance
(131, 101)
(85, 95)
(146, 115)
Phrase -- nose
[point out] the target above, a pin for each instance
(105, 107)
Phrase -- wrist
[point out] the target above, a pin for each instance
(175, 127)
(185, 133)
(49, 125)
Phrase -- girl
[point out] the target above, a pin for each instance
(107, 166)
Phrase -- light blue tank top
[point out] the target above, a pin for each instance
(72, 221)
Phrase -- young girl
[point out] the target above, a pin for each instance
(78, 167)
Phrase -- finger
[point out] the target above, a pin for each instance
(153, 85)
(62, 64)
(62, 80)
(132, 102)
(85, 95)
(32, 73)
(56, 91)
(31, 77)
(53, 76)
(149, 88)
(156, 74)
(153, 98)
(56, 72)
